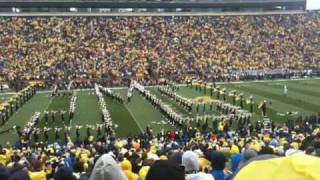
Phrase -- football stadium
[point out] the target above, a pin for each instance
(159, 90)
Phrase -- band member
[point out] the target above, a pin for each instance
(56, 134)
(285, 90)
(204, 107)
(46, 135)
(197, 107)
(234, 96)
(88, 131)
(78, 131)
(211, 106)
(263, 107)
(99, 132)
(218, 93)
(250, 102)
(36, 135)
(62, 115)
(241, 101)
(46, 116)
(71, 114)
(129, 96)
(53, 113)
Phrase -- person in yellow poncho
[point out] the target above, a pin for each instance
(143, 172)
(299, 167)
(127, 169)
(37, 173)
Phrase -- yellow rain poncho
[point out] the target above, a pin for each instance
(296, 167)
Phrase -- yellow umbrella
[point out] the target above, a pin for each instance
(295, 167)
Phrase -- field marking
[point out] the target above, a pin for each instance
(301, 110)
(16, 112)
(232, 82)
(8, 93)
(138, 124)
(293, 97)
(263, 81)
(46, 107)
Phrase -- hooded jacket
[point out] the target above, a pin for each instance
(106, 168)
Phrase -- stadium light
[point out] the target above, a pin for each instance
(313, 5)
(73, 9)
(15, 10)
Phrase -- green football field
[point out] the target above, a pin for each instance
(303, 98)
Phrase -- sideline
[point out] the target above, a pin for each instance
(181, 85)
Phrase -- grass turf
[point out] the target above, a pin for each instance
(20, 118)
(303, 97)
(143, 114)
(87, 112)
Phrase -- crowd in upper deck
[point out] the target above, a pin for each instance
(152, 48)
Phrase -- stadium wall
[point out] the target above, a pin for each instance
(154, 13)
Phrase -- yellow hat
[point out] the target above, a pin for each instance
(255, 146)
(163, 157)
(126, 165)
(204, 163)
(130, 175)
(241, 143)
(282, 141)
(266, 138)
(119, 144)
(143, 172)
(234, 149)
(295, 145)
(153, 149)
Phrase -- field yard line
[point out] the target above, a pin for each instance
(26, 104)
(70, 123)
(47, 106)
(16, 112)
(262, 81)
(141, 129)
(8, 93)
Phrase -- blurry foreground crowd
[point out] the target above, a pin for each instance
(289, 151)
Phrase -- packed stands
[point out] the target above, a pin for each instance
(151, 48)
(112, 50)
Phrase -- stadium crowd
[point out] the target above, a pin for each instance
(115, 49)
(112, 50)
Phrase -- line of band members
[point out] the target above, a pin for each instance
(189, 105)
(179, 121)
(222, 93)
(14, 103)
(113, 95)
(100, 130)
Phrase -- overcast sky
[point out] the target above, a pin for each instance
(313, 4)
